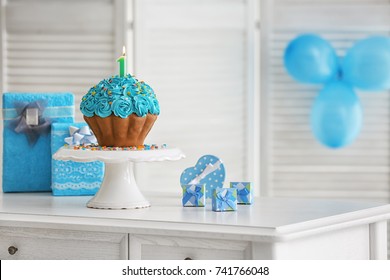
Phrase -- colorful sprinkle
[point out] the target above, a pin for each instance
(105, 148)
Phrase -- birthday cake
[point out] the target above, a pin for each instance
(120, 110)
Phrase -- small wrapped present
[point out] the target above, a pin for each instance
(74, 178)
(194, 195)
(244, 192)
(26, 138)
(224, 199)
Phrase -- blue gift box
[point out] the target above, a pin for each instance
(73, 178)
(208, 170)
(244, 192)
(224, 199)
(26, 138)
(193, 195)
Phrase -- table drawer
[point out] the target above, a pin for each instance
(152, 247)
(45, 244)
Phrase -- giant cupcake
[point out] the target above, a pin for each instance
(120, 110)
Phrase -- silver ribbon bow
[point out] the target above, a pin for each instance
(32, 125)
(80, 136)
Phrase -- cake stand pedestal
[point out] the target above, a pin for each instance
(119, 189)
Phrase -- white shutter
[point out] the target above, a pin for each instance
(297, 165)
(54, 45)
(59, 45)
(2, 44)
(195, 56)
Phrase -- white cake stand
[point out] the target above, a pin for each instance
(119, 190)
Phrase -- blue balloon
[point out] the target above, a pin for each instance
(367, 64)
(311, 59)
(336, 116)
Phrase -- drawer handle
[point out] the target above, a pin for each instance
(188, 259)
(12, 250)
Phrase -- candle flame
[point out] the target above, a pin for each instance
(124, 51)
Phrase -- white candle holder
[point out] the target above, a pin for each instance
(119, 189)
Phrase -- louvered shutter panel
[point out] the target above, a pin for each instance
(297, 165)
(194, 54)
(53, 46)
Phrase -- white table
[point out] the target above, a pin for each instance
(41, 226)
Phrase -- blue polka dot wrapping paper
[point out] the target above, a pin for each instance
(208, 170)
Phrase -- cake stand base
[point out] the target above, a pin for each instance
(119, 189)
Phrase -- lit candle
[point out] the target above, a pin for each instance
(122, 63)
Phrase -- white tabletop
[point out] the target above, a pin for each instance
(267, 218)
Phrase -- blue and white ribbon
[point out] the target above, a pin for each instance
(225, 198)
(80, 136)
(243, 194)
(193, 193)
(209, 169)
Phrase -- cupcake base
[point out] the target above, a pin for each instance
(114, 131)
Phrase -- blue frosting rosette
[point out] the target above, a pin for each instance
(121, 96)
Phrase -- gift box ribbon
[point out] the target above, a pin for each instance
(225, 197)
(80, 136)
(209, 169)
(243, 193)
(193, 192)
(22, 124)
(49, 112)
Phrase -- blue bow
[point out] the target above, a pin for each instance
(243, 194)
(194, 191)
(225, 197)
(32, 132)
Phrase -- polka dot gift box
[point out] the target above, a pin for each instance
(209, 170)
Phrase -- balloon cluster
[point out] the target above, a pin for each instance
(336, 116)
